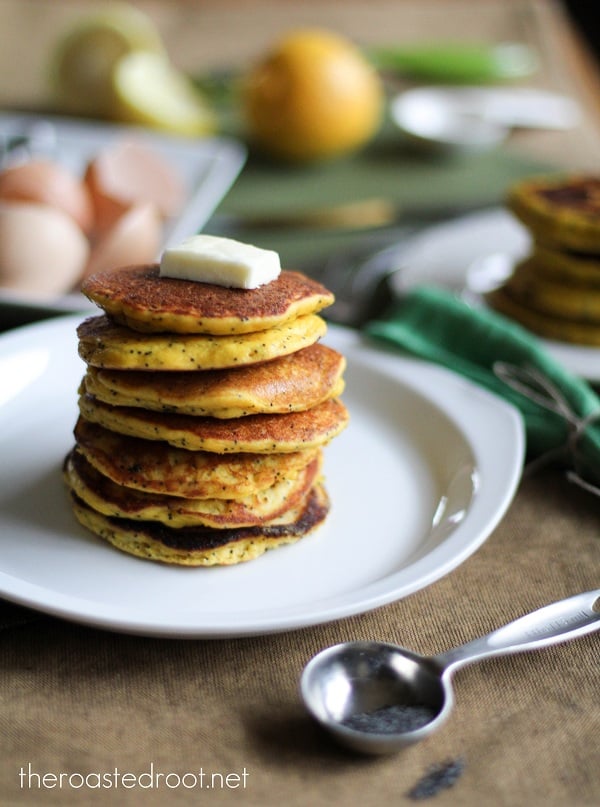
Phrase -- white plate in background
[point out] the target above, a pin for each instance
(478, 118)
(443, 254)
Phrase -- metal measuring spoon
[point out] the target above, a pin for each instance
(376, 697)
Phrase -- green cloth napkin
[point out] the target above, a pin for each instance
(434, 324)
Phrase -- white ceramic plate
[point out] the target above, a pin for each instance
(477, 118)
(419, 479)
(208, 167)
(446, 255)
(442, 255)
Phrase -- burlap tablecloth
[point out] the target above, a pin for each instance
(85, 702)
(220, 722)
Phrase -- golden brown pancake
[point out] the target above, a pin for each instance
(157, 467)
(204, 546)
(139, 298)
(104, 343)
(103, 495)
(543, 324)
(256, 434)
(566, 267)
(560, 211)
(532, 287)
(289, 384)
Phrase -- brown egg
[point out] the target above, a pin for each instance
(50, 183)
(129, 173)
(42, 250)
(134, 238)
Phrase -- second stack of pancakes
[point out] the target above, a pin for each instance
(203, 414)
(555, 290)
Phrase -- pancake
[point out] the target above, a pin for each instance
(105, 496)
(136, 296)
(159, 468)
(204, 546)
(289, 384)
(563, 212)
(566, 266)
(532, 287)
(104, 343)
(543, 324)
(255, 434)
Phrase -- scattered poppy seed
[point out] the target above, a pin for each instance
(437, 778)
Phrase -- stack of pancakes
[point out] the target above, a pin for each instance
(203, 414)
(555, 290)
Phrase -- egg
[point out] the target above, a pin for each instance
(128, 173)
(50, 183)
(42, 250)
(134, 238)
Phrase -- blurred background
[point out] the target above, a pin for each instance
(203, 37)
(317, 95)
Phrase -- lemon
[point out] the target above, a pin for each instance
(312, 97)
(84, 58)
(148, 90)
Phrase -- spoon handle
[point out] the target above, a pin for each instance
(552, 624)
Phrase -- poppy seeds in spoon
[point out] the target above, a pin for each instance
(397, 718)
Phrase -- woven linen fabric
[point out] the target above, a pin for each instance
(75, 699)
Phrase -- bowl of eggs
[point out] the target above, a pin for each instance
(81, 197)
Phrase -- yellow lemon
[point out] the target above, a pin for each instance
(148, 90)
(312, 97)
(84, 58)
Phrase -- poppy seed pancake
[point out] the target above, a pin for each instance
(138, 297)
(547, 325)
(532, 286)
(574, 268)
(204, 546)
(157, 467)
(288, 384)
(561, 211)
(104, 343)
(202, 414)
(554, 290)
(106, 497)
(256, 434)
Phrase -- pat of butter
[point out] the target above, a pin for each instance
(222, 261)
